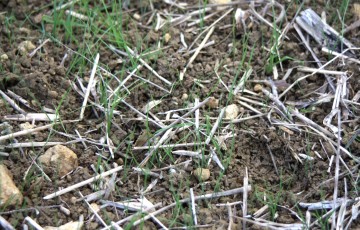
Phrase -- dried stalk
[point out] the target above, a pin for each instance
(217, 123)
(29, 131)
(80, 184)
(147, 66)
(193, 210)
(90, 85)
(12, 102)
(245, 196)
(181, 77)
(164, 138)
(196, 198)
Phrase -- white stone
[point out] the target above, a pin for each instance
(231, 111)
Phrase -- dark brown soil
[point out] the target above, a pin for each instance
(45, 84)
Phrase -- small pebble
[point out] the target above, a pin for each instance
(26, 126)
(184, 97)
(120, 161)
(257, 88)
(167, 37)
(137, 17)
(4, 58)
(231, 111)
(172, 171)
(213, 103)
(73, 200)
(202, 174)
(53, 94)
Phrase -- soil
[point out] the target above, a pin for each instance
(47, 85)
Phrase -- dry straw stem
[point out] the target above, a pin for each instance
(242, 98)
(76, 15)
(315, 72)
(277, 102)
(235, 121)
(187, 153)
(182, 117)
(271, 225)
(351, 27)
(202, 19)
(12, 102)
(93, 211)
(90, 85)
(85, 182)
(215, 158)
(311, 123)
(181, 77)
(196, 198)
(29, 131)
(33, 223)
(246, 105)
(318, 62)
(141, 114)
(180, 145)
(132, 216)
(245, 196)
(261, 18)
(193, 209)
(32, 117)
(217, 123)
(327, 51)
(5, 225)
(323, 71)
(337, 168)
(65, 5)
(18, 98)
(147, 66)
(164, 138)
(152, 83)
(231, 218)
(242, 81)
(37, 48)
(197, 114)
(32, 144)
(210, 27)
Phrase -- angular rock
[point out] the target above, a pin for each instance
(9, 193)
(62, 159)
